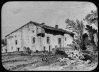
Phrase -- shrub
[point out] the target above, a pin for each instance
(28, 50)
(62, 53)
(37, 51)
(87, 57)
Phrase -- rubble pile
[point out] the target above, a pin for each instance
(75, 60)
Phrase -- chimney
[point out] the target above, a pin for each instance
(56, 26)
(42, 23)
(30, 22)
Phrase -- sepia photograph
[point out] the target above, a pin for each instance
(49, 36)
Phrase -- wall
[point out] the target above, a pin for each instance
(28, 32)
(24, 37)
(69, 40)
(53, 41)
(11, 45)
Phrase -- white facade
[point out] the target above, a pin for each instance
(26, 36)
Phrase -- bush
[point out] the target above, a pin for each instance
(28, 50)
(62, 53)
(37, 51)
(92, 56)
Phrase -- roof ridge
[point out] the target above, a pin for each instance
(21, 27)
(41, 25)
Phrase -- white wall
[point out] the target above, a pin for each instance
(18, 38)
(11, 45)
(53, 41)
(69, 40)
(24, 37)
(28, 32)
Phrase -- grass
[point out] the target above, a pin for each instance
(16, 61)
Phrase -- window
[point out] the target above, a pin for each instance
(12, 48)
(48, 40)
(59, 40)
(65, 38)
(33, 31)
(33, 39)
(6, 50)
(55, 46)
(16, 42)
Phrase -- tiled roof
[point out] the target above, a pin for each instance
(43, 26)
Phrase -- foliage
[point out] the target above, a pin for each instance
(86, 41)
(37, 51)
(76, 27)
(28, 50)
(91, 32)
(60, 52)
(3, 42)
(92, 18)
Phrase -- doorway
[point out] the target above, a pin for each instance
(59, 42)
(18, 49)
(49, 48)
(44, 49)
(6, 50)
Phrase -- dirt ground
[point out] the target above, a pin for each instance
(32, 63)
(57, 67)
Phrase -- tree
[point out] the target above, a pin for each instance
(76, 27)
(85, 41)
(92, 18)
(3, 42)
(91, 32)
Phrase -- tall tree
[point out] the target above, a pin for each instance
(76, 27)
(91, 32)
(92, 18)
(3, 42)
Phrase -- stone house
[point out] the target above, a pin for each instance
(37, 37)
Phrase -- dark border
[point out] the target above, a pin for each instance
(2, 2)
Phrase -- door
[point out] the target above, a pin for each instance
(59, 42)
(18, 49)
(6, 50)
(44, 49)
(49, 48)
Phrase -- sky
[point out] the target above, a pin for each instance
(16, 14)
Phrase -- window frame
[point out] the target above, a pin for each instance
(33, 40)
(65, 38)
(59, 40)
(12, 48)
(16, 42)
(48, 40)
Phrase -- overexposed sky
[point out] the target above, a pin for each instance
(15, 14)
